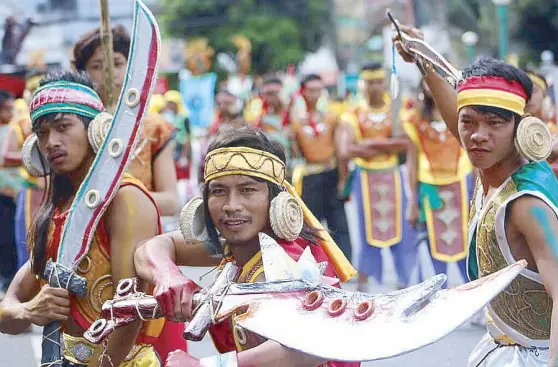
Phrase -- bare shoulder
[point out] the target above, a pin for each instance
(130, 200)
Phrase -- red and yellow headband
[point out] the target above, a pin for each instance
(492, 91)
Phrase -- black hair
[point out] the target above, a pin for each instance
(225, 91)
(252, 138)
(88, 43)
(308, 78)
(59, 189)
(5, 96)
(493, 67)
(372, 66)
(272, 80)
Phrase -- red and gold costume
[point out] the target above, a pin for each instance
(96, 269)
(229, 337)
(377, 185)
(445, 181)
(315, 136)
(155, 135)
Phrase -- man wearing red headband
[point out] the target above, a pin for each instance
(514, 208)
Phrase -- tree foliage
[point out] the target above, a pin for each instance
(538, 26)
(533, 25)
(281, 32)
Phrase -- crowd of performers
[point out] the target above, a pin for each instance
(410, 173)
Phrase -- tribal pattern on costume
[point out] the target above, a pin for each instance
(523, 311)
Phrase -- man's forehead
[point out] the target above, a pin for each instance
(314, 84)
(59, 117)
(474, 111)
(231, 180)
(271, 86)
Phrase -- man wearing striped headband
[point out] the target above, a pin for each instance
(62, 110)
(514, 208)
(377, 181)
(245, 194)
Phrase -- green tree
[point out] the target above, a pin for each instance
(533, 25)
(538, 26)
(281, 32)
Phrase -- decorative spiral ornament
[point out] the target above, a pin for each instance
(98, 130)
(285, 215)
(192, 223)
(31, 157)
(533, 139)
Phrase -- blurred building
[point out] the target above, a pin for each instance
(61, 23)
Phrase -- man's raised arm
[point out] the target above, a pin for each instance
(442, 92)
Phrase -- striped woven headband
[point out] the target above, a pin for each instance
(65, 97)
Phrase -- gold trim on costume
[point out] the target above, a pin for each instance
(80, 351)
(372, 74)
(490, 97)
(429, 214)
(368, 210)
(306, 169)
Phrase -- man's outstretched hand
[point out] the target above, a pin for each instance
(179, 358)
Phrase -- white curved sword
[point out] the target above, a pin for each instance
(106, 171)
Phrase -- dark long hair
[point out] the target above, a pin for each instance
(251, 138)
(59, 188)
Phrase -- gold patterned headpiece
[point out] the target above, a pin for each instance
(372, 74)
(244, 161)
(258, 163)
(538, 81)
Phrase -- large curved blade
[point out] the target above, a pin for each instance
(107, 170)
(399, 324)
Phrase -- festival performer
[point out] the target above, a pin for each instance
(316, 178)
(514, 208)
(228, 113)
(535, 107)
(30, 196)
(241, 83)
(441, 185)
(10, 184)
(63, 109)
(153, 161)
(377, 181)
(245, 193)
(175, 112)
(266, 112)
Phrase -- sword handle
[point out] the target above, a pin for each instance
(51, 345)
(200, 323)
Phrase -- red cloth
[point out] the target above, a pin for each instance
(170, 340)
(221, 333)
